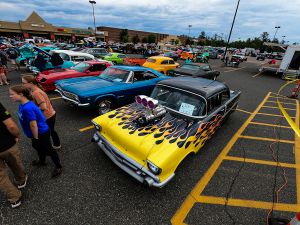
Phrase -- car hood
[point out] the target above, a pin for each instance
(85, 85)
(58, 73)
(164, 136)
(185, 71)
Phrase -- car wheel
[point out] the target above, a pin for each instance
(104, 106)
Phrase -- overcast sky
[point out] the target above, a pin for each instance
(168, 16)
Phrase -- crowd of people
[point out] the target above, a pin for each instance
(10, 54)
(37, 118)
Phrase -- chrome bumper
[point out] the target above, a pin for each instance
(127, 164)
(72, 100)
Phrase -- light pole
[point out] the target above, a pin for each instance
(225, 53)
(189, 30)
(94, 3)
(277, 27)
(283, 39)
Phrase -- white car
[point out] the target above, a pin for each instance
(72, 56)
(242, 56)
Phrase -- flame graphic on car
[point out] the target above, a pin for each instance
(174, 130)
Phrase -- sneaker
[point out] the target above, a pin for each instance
(38, 163)
(16, 204)
(20, 186)
(56, 147)
(56, 172)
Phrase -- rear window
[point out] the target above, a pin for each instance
(151, 60)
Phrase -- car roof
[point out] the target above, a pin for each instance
(200, 86)
(136, 68)
(160, 58)
(196, 64)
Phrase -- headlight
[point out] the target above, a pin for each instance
(153, 168)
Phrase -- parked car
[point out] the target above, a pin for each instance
(137, 61)
(155, 134)
(186, 55)
(195, 70)
(261, 56)
(241, 56)
(161, 64)
(116, 58)
(89, 68)
(172, 55)
(97, 52)
(116, 86)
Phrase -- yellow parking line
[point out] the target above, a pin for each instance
(270, 125)
(86, 128)
(181, 213)
(262, 162)
(297, 155)
(284, 98)
(287, 103)
(276, 94)
(266, 139)
(55, 98)
(272, 107)
(269, 114)
(249, 203)
(244, 111)
(234, 69)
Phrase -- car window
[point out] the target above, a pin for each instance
(225, 96)
(164, 62)
(214, 102)
(115, 75)
(64, 56)
(151, 60)
(142, 75)
(97, 67)
(190, 67)
(206, 68)
(121, 56)
(171, 62)
(180, 101)
(86, 58)
(81, 67)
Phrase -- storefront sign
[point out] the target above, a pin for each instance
(37, 25)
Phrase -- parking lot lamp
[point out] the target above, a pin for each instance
(189, 30)
(277, 27)
(94, 3)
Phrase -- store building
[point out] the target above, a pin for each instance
(114, 34)
(36, 26)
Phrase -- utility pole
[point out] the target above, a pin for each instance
(277, 27)
(94, 3)
(189, 30)
(225, 53)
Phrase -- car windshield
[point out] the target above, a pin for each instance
(80, 67)
(109, 54)
(115, 75)
(180, 101)
(190, 67)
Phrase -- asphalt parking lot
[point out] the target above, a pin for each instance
(92, 190)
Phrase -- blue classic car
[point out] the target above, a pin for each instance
(116, 86)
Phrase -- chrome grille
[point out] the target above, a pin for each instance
(70, 95)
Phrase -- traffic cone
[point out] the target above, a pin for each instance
(295, 220)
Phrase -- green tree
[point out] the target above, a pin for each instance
(135, 39)
(145, 40)
(124, 36)
(265, 36)
(151, 38)
(202, 35)
(176, 42)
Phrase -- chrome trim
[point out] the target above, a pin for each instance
(130, 166)
(71, 100)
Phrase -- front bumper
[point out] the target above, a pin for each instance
(129, 165)
(72, 100)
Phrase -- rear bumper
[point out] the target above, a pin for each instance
(72, 100)
(129, 165)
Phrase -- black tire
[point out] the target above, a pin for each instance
(214, 77)
(104, 106)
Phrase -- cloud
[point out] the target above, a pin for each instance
(166, 16)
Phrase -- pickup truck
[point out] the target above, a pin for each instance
(139, 61)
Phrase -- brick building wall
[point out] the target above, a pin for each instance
(114, 34)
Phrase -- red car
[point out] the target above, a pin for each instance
(88, 68)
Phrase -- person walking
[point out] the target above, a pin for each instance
(13, 54)
(41, 99)
(35, 127)
(3, 79)
(10, 156)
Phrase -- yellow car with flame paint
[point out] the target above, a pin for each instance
(161, 64)
(148, 139)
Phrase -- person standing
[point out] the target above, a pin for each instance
(13, 55)
(41, 99)
(35, 127)
(3, 79)
(10, 156)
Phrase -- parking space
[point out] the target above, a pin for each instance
(242, 176)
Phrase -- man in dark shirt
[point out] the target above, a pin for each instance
(10, 156)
